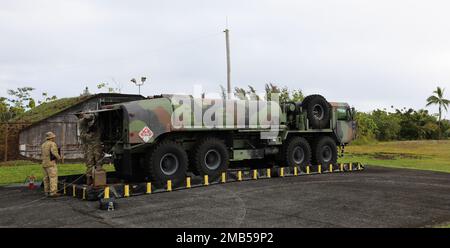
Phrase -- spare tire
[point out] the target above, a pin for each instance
(317, 111)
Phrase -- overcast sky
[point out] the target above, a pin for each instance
(369, 53)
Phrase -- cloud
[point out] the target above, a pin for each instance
(369, 53)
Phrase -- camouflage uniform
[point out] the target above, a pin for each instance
(49, 166)
(91, 144)
(83, 125)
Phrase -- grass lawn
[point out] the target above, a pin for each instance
(423, 155)
(443, 226)
(17, 171)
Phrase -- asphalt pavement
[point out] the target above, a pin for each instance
(375, 197)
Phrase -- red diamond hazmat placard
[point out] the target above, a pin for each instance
(146, 134)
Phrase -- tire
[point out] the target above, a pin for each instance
(318, 111)
(167, 161)
(296, 152)
(210, 158)
(325, 151)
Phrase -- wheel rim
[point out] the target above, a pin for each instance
(327, 154)
(298, 155)
(169, 164)
(212, 159)
(318, 111)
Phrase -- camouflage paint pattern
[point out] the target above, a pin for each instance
(345, 130)
(156, 114)
(225, 114)
(153, 113)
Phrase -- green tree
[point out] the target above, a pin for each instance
(240, 93)
(284, 94)
(415, 124)
(388, 124)
(431, 129)
(107, 87)
(297, 96)
(31, 103)
(5, 114)
(243, 94)
(20, 100)
(252, 93)
(367, 128)
(438, 99)
(46, 98)
(271, 88)
(446, 128)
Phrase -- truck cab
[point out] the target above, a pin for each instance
(345, 125)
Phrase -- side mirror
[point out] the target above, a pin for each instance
(353, 113)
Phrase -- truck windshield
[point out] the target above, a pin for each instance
(343, 114)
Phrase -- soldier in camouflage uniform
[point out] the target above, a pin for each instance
(49, 156)
(91, 144)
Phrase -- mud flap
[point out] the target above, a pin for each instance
(126, 170)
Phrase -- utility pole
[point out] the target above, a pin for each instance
(227, 39)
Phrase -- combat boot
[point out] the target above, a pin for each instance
(55, 195)
(89, 180)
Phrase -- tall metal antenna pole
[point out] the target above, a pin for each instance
(227, 39)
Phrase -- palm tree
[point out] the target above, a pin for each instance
(438, 99)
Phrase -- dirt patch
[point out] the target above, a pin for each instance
(390, 156)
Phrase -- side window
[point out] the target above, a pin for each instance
(350, 115)
(342, 114)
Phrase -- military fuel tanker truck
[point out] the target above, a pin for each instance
(167, 136)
